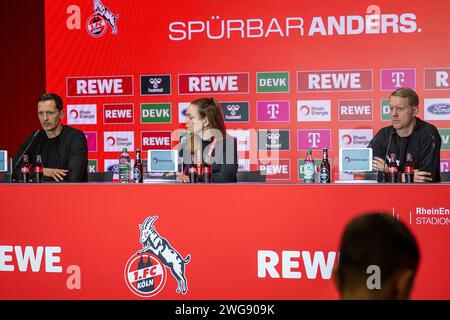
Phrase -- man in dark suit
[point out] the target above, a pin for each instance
(63, 149)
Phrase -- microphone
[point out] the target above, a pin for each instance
(26, 149)
(386, 155)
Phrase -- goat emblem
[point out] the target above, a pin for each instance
(153, 243)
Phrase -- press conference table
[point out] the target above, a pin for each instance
(77, 241)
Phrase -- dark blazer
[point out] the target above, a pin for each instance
(72, 153)
(424, 145)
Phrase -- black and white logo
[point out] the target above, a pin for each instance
(235, 111)
(155, 85)
(273, 140)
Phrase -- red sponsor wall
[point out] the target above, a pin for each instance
(316, 73)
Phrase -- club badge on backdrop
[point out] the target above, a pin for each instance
(98, 22)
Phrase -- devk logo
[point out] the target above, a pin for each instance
(147, 278)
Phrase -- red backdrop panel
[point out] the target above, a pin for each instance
(155, 40)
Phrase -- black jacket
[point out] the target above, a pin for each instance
(72, 153)
(424, 145)
(224, 160)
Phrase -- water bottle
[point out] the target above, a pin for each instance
(124, 166)
(309, 169)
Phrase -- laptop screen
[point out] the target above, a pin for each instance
(162, 161)
(355, 159)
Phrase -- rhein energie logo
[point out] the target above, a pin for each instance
(145, 272)
(96, 23)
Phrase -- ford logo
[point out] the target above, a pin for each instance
(113, 168)
(439, 108)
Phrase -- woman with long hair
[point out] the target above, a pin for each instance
(207, 142)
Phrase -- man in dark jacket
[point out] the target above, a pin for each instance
(63, 149)
(408, 134)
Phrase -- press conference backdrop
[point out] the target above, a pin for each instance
(290, 75)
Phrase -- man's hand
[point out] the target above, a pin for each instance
(55, 174)
(182, 177)
(422, 176)
(378, 164)
(419, 176)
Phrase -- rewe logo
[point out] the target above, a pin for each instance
(392, 79)
(213, 83)
(334, 80)
(82, 114)
(314, 139)
(273, 110)
(30, 257)
(156, 113)
(314, 263)
(147, 278)
(156, 140)
(118, 113)
(355, 110)
(437, 78)
(115, 141)
(355, 138)
(99, 86)
(278, 169)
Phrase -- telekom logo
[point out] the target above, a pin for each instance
(398, 78)
(273, 110)
(392, 79)
(314, 139)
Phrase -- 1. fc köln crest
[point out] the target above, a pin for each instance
(99, 21)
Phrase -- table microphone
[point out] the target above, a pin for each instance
(381, 179)
(26, 149)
